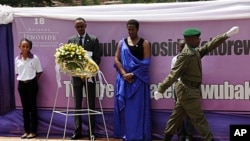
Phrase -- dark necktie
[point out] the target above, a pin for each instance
(80, 40)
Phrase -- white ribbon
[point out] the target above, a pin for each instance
(100, 77)
(58, 76)
(102, 86)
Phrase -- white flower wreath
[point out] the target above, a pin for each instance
(73, 60)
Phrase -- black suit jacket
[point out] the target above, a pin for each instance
(91, 43)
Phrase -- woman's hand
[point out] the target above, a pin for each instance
(128, 77)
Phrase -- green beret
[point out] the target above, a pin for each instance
(191, 32)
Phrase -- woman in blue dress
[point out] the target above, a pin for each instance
(132, 119)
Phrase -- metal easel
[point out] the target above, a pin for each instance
(87, 111)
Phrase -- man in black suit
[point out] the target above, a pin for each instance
(91, 44)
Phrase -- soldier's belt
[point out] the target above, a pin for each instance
(191, 83)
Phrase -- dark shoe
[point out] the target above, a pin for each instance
(31, 135)
(76, 136)
(181, 138)
(167, 137)
(24, 135)
(189, 138)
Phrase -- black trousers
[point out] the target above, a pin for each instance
(28, 93)
(78, 97)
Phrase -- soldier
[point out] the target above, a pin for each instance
(185, 131)
(188, 69)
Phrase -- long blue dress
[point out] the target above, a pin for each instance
(132, 116)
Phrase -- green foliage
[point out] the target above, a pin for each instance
(65, 1)
(68, 2)
(126, 1)
(13, 3)
(96, 2)
(27, 3)
(84, 2)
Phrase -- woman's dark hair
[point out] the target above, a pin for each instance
(133, 22)
(27, 40)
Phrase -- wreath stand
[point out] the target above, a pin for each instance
(87, 112)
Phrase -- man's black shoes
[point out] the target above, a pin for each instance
(76, 136)
(167, 137)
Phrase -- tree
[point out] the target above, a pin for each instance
(84, 2)
(27, 3)
(13, 3)
(68, 2)
(96, 2)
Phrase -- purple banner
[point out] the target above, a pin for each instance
(225, 70)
